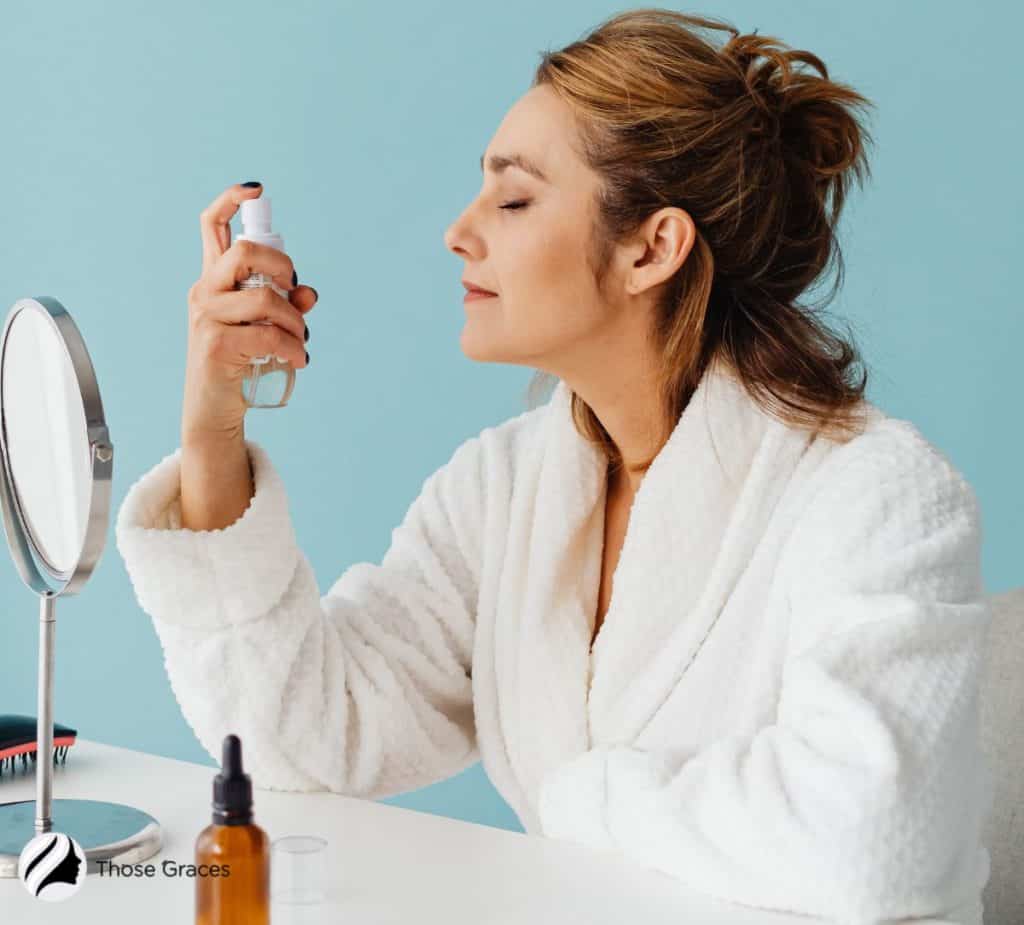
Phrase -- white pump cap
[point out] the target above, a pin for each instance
(256, 216)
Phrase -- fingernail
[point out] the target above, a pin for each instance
(307, 356)
(316, 295)
(306, 335)
(295, 277)
(252, 183)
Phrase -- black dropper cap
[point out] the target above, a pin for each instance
(232, 788)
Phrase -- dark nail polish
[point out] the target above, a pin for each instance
(306, 335)
(295, 278)
(316, 295)
(252, 184)
(307, 357)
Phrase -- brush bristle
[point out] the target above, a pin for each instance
(9, 763)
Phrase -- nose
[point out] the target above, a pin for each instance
(461, 240)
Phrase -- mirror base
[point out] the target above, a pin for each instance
(106, 831)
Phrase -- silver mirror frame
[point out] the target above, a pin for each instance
(20, 539)
(105, 831)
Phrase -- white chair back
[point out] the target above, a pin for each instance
(1002, 734)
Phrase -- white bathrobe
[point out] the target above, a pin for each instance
(781, 706)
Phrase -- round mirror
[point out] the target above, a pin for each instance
(49, 456)
(57, 457)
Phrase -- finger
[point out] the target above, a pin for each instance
(250, 306)
(241, 344)
(243, 259)
(303, 298)
(215, 221)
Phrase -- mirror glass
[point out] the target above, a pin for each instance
(47, 438)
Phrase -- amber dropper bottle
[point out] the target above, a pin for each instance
(234, 887)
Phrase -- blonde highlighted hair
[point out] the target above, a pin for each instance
(760, 155)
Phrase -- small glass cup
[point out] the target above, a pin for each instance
(298, 870)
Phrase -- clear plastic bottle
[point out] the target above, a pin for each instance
(271, 379)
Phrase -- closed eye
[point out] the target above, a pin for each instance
(515, 204)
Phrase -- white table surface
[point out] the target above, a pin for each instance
(392, 864)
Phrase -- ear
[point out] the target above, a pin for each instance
(661, 246)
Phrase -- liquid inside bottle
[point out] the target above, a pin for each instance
(271, 379)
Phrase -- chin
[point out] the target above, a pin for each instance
(487, 349)
(481, 352)
(488, 346)
(483, 349)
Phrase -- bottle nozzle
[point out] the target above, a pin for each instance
(231, 756)
(256, 215)
(232, 787)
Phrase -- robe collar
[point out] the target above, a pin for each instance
(694, 523)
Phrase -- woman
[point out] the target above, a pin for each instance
(775, 698)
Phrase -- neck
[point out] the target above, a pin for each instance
(630, 410)
(614, 373)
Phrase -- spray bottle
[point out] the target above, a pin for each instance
(272, 376)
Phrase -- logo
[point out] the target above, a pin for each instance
(52, 866)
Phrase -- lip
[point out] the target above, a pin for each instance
(473, 294)
(473, 288)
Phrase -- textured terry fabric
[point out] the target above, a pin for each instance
(1002, 718)
(780, 708)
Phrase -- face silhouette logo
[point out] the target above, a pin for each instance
(52, 866)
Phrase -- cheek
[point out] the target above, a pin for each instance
(549, 282)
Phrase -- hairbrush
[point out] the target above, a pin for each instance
(18, 738)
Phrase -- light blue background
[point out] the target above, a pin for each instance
(121, 121)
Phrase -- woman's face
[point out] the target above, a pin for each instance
(528, 239)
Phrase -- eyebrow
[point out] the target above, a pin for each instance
(498, 162)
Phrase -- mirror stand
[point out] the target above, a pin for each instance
(40, 337)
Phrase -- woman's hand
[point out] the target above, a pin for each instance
(222, 337)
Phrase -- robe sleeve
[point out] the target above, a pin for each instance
(366, 690)
(864, 801)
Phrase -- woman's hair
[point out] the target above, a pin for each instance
(759, 155)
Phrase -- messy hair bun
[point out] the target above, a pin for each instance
(760, 154)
